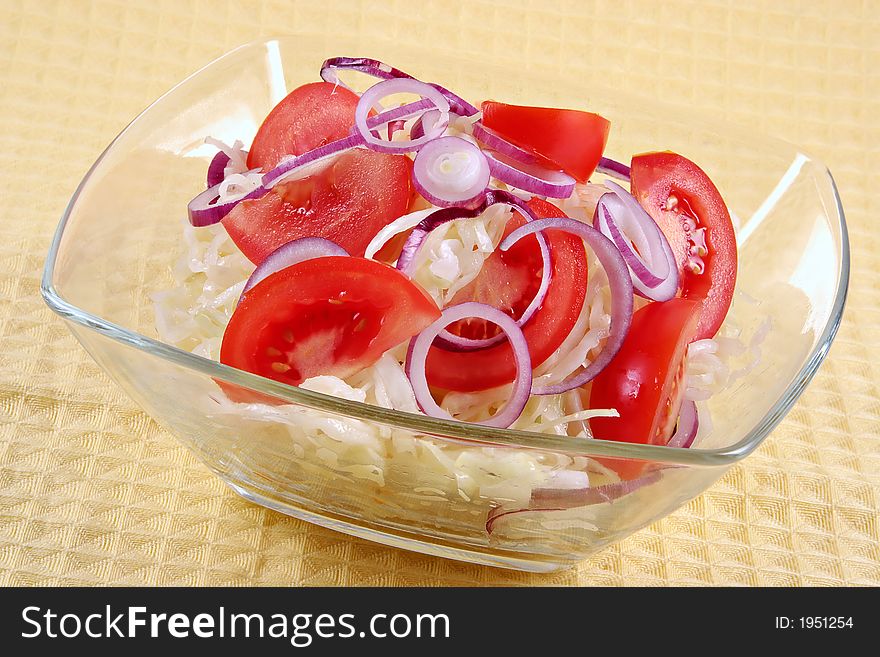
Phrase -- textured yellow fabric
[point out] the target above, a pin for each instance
(93, 492)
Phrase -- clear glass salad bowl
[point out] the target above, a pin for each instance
(440, 487)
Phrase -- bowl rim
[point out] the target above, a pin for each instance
(445, 429)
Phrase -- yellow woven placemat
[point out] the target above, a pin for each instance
(93, 492)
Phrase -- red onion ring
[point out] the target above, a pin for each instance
(688, 425)
(394, 86)
(574, 497)
(377, 69)
(406, 261)
(407, 111)
(499, 144)
(531, 178)
(323, 154)
(407, 258)
(418, 128)
(552, 499)
(419, 346)
(314, 159)
(620, 217)
(217, 169)
(203, 210)
(450, 171)
(429, 118)
(613, 168)
(621, 292)
(289, 254)
(400, 225)
(610, 219)
(394, 126)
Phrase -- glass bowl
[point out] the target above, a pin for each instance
(435, 486)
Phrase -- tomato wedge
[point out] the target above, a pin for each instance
(644, 380)
(509, 281)
(309, 116)
(333, 315)
(348, 203)
(685, 203)
(571, 140)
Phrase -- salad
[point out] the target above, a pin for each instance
(404, 247)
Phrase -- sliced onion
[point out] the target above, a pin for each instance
(291, 253)
(573, 497)
(204, 210)
(396, 227)
(418, 128)
(377, 69)
(611, 218)
(311, 161)
(531, 178)
(688, 425)
(394, 86)
(499, 144)
(314, 160)
(419, 346)
(217, 169)
(621, 293)
(394, 126)
(406, 262)
(429, 119)
(620, 217)
(614, 169)
(402, 112)
(450, 171)
(555, 499)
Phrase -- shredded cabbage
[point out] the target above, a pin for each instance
(236, 154)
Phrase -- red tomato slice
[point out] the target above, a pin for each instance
(333, 315)
(347, 203)
(644, 381)
(309, 116)
(509, 281)
(570, 139)
(679, 196)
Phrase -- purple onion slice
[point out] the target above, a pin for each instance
(621, 293)
(621, 218)
(451, 171)
(289, 254)
(380, 90)
(688, 425)
(530, 177)
(420, 345)
(383, 71)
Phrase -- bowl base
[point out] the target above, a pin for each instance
(401, 541)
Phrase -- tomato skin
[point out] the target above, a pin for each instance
(309, 116)
(643, 381)
(572, 140)
(544, 332)
(332, 315)
(656, 176)
(347, 203)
